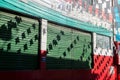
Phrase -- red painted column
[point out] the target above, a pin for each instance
(43, 60)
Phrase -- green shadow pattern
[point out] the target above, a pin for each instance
(18, 42)
(68, 48)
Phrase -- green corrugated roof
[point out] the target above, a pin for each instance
(40, 11)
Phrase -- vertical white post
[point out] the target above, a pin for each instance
(43, 34)
(43, 44)
(94, 42)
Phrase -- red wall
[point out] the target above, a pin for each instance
(119, 77)
(99, 72)
(102, 66)
(46, 75)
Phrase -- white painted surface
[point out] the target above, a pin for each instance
(44, 34)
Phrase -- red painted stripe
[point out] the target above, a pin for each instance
(96, 11)
(110, 17)
(80, 2)
(90, 9)
(43, 63)
(102, 66)
(43, 53)
(119, 77)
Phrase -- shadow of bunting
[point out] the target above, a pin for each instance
(18, 42)
(68, 48)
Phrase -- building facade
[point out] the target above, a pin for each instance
(57, 39)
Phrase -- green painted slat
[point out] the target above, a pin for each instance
(73, 48)
(14, 55)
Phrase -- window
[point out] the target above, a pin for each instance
(68, 48)
(103, 41)
(18, 42)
